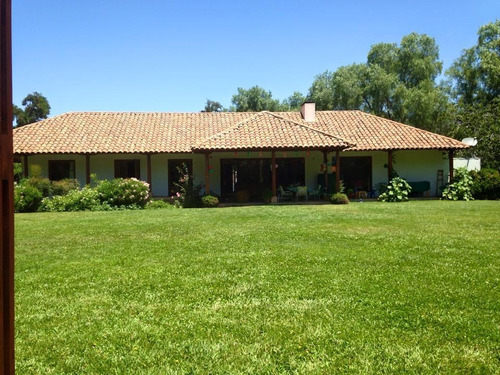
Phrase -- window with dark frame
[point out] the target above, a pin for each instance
(61, 169)
(130, 168)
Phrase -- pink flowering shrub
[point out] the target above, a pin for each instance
(127, 193)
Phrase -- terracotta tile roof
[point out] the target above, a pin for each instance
(129, 132)
(266, 130)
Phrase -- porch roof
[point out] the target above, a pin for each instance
(132, 132)
(269, 131)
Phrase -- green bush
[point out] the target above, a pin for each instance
(18, 172)
(397, 191)
(42, 184)
(485, 184)
(188, 195)
(120, 192)
(27, 197)
(75, 200)
(210, 201)
(460, 188)
(158, 204)
(63, 187)
(339, 198)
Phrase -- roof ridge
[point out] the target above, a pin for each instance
(311, 128)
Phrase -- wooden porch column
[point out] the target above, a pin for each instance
(148, 162)
(450, 164)
(87, 169)
(389, 165)
(337, 171)
(25, 166)
(6, 196)
(207, 173)
(325, 161)
(274, 198)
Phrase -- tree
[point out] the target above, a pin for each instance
(396, 82)
(212, 106)
(293, 102)
(475, 75)
(255, 99)
(36, 108)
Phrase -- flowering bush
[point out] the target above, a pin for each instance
(75, 200)
(123, 192)
(397, 191)
(461, 186)
(188, 195)
(27, 197)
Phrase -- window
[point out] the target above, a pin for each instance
(60, 169)
(128, 168)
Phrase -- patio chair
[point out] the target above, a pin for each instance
(316, 193)
(284, 194)
(301, 192)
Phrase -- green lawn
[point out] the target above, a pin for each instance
(365, 288)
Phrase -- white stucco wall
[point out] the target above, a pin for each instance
(411, 165)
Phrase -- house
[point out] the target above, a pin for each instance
(237, 155)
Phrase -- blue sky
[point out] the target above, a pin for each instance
(153, 55)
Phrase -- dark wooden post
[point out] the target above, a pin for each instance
(389, 165)
(274, 198)
(87, 169)
(6, 196)
(148, 168)
(337, 171)
(207, 173)
(25, 166)
(325, 161)
(450, 164)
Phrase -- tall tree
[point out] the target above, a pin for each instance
(396, 82)
(36, 108)
(255, 99)
(211, 106)
(475, 75)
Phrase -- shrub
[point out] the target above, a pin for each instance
(210, 201)
(189, 194)
(63, 187)
(42, 184)
(27, 197)
(157, 204)
(18, 172)
(485, 184)
(339, 198)
(123, 192)
(461, 186)
(75, 200)
(397, 191)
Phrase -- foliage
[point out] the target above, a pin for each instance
(354, 289)
(18, 171)
(397, 191)
(123, 192)
(475, 75)
(42, 184)
(255, 99)
(86, 199)
(27, 197)
(397, 82)
(64, 186)
(212, 106)
(36, 108)
(461, 186)
(485, 184)
(157, 204)
(209, 201)
(339, 198)
(189, 194)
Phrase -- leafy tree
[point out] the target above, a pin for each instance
(293, 102)
(475, 75)
(36, 108)
(212, 106)
(396, 82)
(255, 99)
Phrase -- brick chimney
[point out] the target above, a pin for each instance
(308, 111)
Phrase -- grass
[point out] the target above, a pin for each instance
(365, 288)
